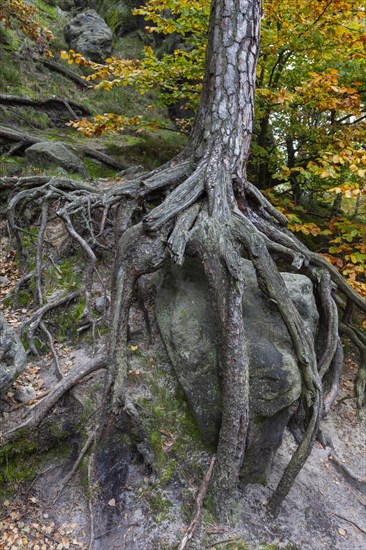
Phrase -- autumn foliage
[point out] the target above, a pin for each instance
(16, 14)
(310, 122)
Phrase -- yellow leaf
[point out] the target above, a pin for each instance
(133, 348)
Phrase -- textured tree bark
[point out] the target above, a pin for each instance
(224, 122)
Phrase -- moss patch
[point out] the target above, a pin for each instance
(22, 460)
(97, 169)
(154, 497)
(18, 462)
(167, 421)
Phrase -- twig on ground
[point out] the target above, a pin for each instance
(53, 350)
(350, 521)
(198, 507)
(76, 465)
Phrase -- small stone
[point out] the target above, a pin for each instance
(101, 304)
(24, 394)
(4, 281)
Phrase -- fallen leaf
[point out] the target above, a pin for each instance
(112, 502)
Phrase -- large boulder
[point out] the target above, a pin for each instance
(187, 324)
(54, 153)
(89, 35)
(12, 355)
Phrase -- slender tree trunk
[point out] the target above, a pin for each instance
(221, 137)
(224, 122)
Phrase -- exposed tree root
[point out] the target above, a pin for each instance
(102, 157)
(351, 522)
(217, 217)
(53, 349)
(40, 410)
(227, 291)
(352, 478)
(35, 319)
(76, 465)
(50, 103)
(332, 379)
(12, 182)
(54, 66)
(359, 341)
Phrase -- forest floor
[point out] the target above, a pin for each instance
(136, 510)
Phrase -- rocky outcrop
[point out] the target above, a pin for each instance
(12, 355)
(89, 35)
(53, 153)
(187, 324)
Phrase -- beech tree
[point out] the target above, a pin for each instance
(207, 208)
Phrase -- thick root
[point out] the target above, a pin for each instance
(234, 364)
(42, 408)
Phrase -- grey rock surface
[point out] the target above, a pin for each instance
(187, 324)
(101, 304)
(24, 394)
(89, 35)
(48, 153)
(12, 355)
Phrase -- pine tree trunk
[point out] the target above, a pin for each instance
(224, 122)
